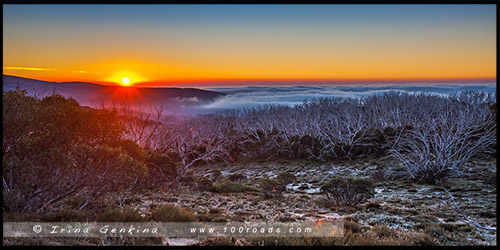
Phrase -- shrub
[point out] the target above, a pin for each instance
(442, 143)
(107, 214)
(130, 241)
(373, 205)
(204, 184)
(232, 187)
(380, 174)
(351, 218)
(54, 136)
(75, 202)
(188, 178)
(219, 241)
(219, 218)
(115, 214)
(211, 218)
(285, 178)
(421, 239)
(216, 174)
(237, 177)
(132, 149)
(161, 168)
(294, 241)
(270, 188)
(348, 191)
(171, 213)
(383, 231)
(490, 179)
(286, 219)
(20, 217)
(353, 226)
(349, 239)
(214, 211)
(223, 241)
(67, 215)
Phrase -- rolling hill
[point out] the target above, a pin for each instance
(90, 94)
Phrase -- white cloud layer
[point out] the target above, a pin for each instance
(254, 96)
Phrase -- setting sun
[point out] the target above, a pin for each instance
(125, 81)
(124, 77)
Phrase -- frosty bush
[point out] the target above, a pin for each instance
(457, 129)
(285, 178)
(270, 188)
(348, 191)
(274, 188)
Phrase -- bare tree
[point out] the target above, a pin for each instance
(193, 141)
(441, 143)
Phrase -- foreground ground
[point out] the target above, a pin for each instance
(401, 212)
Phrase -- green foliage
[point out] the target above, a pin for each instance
(274, 188)
(348, 191)
(232, 187)
(161, 169)
(54, 148)
(133, 149)
(116, 169)
(171, 213)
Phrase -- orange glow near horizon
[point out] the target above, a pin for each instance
(243, 82)
(155, 75)
(179, 45)
(355, 65)
(348, 64)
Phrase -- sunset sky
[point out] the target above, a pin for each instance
(157, 45)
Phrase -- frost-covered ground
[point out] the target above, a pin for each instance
(411, 211)
(398, 203)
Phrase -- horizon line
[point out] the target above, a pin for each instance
(277, 81)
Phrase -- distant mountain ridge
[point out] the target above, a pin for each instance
(89, 94)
